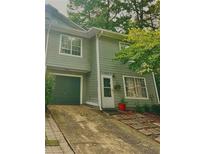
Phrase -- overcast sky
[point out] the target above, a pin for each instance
(60, 5)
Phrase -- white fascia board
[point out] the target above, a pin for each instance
(90, 33)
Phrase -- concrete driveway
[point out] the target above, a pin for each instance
(90, 131)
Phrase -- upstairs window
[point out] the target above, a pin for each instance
(70, 45)
(123, 45)
(135, 87)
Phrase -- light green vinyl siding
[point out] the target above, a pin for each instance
(66, 61)
(108, 48)
(92, 95)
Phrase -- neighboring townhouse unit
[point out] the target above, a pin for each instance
(85, 71)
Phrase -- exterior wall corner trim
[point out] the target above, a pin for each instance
(155, 86)
(98, 73)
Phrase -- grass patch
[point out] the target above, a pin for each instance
(52, 142)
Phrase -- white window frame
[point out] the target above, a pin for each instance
(66, 54)
(124, 84)
(120, 44)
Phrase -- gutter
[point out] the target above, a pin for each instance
(108, 31)
(88, 34)
(155, 86)
(98, 70)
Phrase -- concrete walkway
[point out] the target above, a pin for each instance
(53, 133)
(90, 131)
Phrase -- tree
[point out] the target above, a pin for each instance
(97, 13)
(145, 13)
(154, 15)
(143, 55)
(115, 15)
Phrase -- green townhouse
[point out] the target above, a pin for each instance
(82, 61)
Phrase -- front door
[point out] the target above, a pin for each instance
(107, 92)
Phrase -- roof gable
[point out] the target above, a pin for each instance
(55, 17)
(61, 23)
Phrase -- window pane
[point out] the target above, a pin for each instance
(66, 42)
(129, 82)
(67, 51)
(140, 82)
(130, 87)
(76, 42)
(106, 82)
(77, 53)
(130, 92)
(76, 50)
(144, 93)
(139, 92)
(107, 92)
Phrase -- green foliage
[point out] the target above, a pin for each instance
(95, 13)
(143, 54)
(49, 85)
(122, 100)
(155, 108)
(150, 108)
(146, 13)
(147, 107)
(140, 108)
(115, 15)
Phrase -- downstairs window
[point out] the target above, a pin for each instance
(135, 87)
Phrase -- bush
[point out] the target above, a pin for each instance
(155, 109)
(49, 85)
(140, 108)
(122, 100)
(147, 107)
(151, 108)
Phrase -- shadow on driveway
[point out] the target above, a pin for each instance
(90, 131)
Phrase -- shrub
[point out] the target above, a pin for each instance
(140, 108)
(151, 108)
(122, 100)
(155, 109)
(147, 107)
(49, 85)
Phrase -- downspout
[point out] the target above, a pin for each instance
(155, 86)
(47, 38)
(98, 70)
